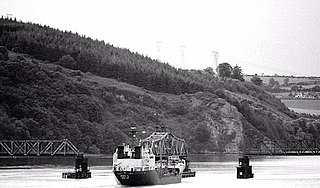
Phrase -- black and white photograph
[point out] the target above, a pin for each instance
(159, 93)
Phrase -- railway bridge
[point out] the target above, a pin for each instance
(37, 147)
(285, 147)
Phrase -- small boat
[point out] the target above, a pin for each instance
(156, 160)
(81, 169)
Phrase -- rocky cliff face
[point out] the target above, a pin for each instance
(222, 119)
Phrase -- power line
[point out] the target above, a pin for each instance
(215, 56)
(182, 50)
(267, 68)
(9, 16)
(158, 45)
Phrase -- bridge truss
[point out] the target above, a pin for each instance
(165, 144)
(286, 147)
(37, 147)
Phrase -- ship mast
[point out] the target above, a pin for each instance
(133, 135)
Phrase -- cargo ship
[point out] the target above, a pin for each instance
(157, 160)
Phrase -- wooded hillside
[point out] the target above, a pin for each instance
(61, 85)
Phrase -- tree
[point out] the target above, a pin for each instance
(295, 88)
(86, 61)
(272, 82)
(4, 53)
(67, 61)
(209, 70)
(237, 73)
(276, 88)
(286, 81)
(316, 88)
(256, 80)
(202, 133)
(224, 70)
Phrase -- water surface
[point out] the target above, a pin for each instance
(212, 171)
(303, 106)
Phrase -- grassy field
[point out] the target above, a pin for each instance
(281, 95)
(265, 79)
(303, 86)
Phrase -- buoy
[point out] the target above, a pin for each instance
(244, 170)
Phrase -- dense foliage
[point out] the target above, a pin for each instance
(256, 80)
(39, 103)
(45, 101)
(225, 70)
(99, 58)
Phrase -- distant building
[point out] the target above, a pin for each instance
(299, 95)
(307, 95)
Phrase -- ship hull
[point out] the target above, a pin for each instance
(151, 177)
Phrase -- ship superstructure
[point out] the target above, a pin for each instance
(157, 159)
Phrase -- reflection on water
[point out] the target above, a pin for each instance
(94, 160)
(212, 170)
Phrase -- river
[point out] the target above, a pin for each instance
(212, 171)
(303, 105)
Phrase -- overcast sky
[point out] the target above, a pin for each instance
(261, 36)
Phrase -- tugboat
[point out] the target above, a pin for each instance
(81, 169)
(187, 172)
(157, 160)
